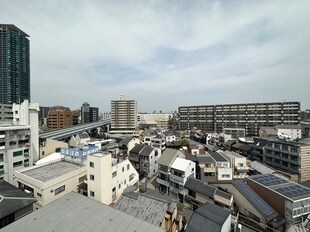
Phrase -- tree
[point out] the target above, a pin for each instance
(184, 142)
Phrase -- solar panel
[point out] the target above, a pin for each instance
(269, 180)
(293, 190)
(260, 204)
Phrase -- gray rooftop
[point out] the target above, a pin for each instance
(148, 209)
(75, 212)
(207, 216)
(126, 140)
(261, 168)
(169, 155)
(137, 149)
(205, 159)
(51, 171)
(200, 187)
(13, 199)
(217, 157)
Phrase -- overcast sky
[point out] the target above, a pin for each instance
(165, 54)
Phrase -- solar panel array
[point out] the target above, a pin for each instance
(260, 204)
(293, 190)
(269, 180)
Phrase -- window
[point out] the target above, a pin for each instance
(131, 177)
(92, 194)
(1, 169)
(225, 175)
(124, 181)
(39, 194)
(91, 164)
(123, 169)
(91, 177)
(17, 164)
(192, 169)
(81, 179)
(60, 189)
(1, 157)
(114, 174)
(26, 163)
(17, 153)
(192, 193)
(119, 186)
(127, 166)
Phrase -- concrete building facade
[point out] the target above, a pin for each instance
(250, 116)
(123, 116)
(59, 117)
(14, 65)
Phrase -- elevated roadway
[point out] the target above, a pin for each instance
(69, 131)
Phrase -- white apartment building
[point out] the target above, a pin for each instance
(108, 177)
(181, 169)
(157, 120)
(170, 136)
(50, 181)
(291, 132)
(19, 141)
(233, 133)
(6, 113)
(123, 116)
(223, 166)
(237, 162)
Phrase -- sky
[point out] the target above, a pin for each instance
(165, 54)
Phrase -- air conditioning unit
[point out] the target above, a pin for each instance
(27, 144)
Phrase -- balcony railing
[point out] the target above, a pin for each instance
(177, 179)
(163, 182)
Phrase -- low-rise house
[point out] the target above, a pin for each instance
(49, 146)
(169, 136)
(109, 177)
(181, 169)
(74, 212)
(128, 143)
(289, 199)
(159, 141)
(144, 159)
(198, 192)
(242, 148)
(223, 167)
(207, 167)
(14, 203)
(164, 164)
(79, 140)
(238, 162)
(151, 207)
(209, 217)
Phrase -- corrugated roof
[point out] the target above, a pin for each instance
(75, 212)
(20, 201)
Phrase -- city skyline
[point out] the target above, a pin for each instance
(165, 54)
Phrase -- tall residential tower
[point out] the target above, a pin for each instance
(123, 116)
(14, 65)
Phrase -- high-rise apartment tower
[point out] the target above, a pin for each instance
(14, 65)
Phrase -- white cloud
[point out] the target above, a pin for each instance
(165, 53)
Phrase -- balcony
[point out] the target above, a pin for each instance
(26, 154)
(163, 182)
(177, 179)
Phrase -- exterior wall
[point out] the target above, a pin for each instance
(48, 147)
(159, 143)
(197, 201)
(152, 162)
(6, 114)
(123, 115)
(132, 143)
(59, 117)
(276, 201)
(251, 116)
(304, 163)
(292, 133)
(147, 139)
(170, 138)
(45, 192)
(105, 181)
(226, 227)
(224, 173)
(159, 120)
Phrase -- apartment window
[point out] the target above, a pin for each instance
(60, 189)
(17, 153)
(81, 179)
(114, 174)
(91, 164)
(225, 176)
(192, 169)
(26, 162)
(92, 194)
(1, 169)
(123, 169)
(91, 177)
(131, 177)
(39, 194)
(17, 164)
(124, 181)
(127, 166)
(1, 157)
(119, 186)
